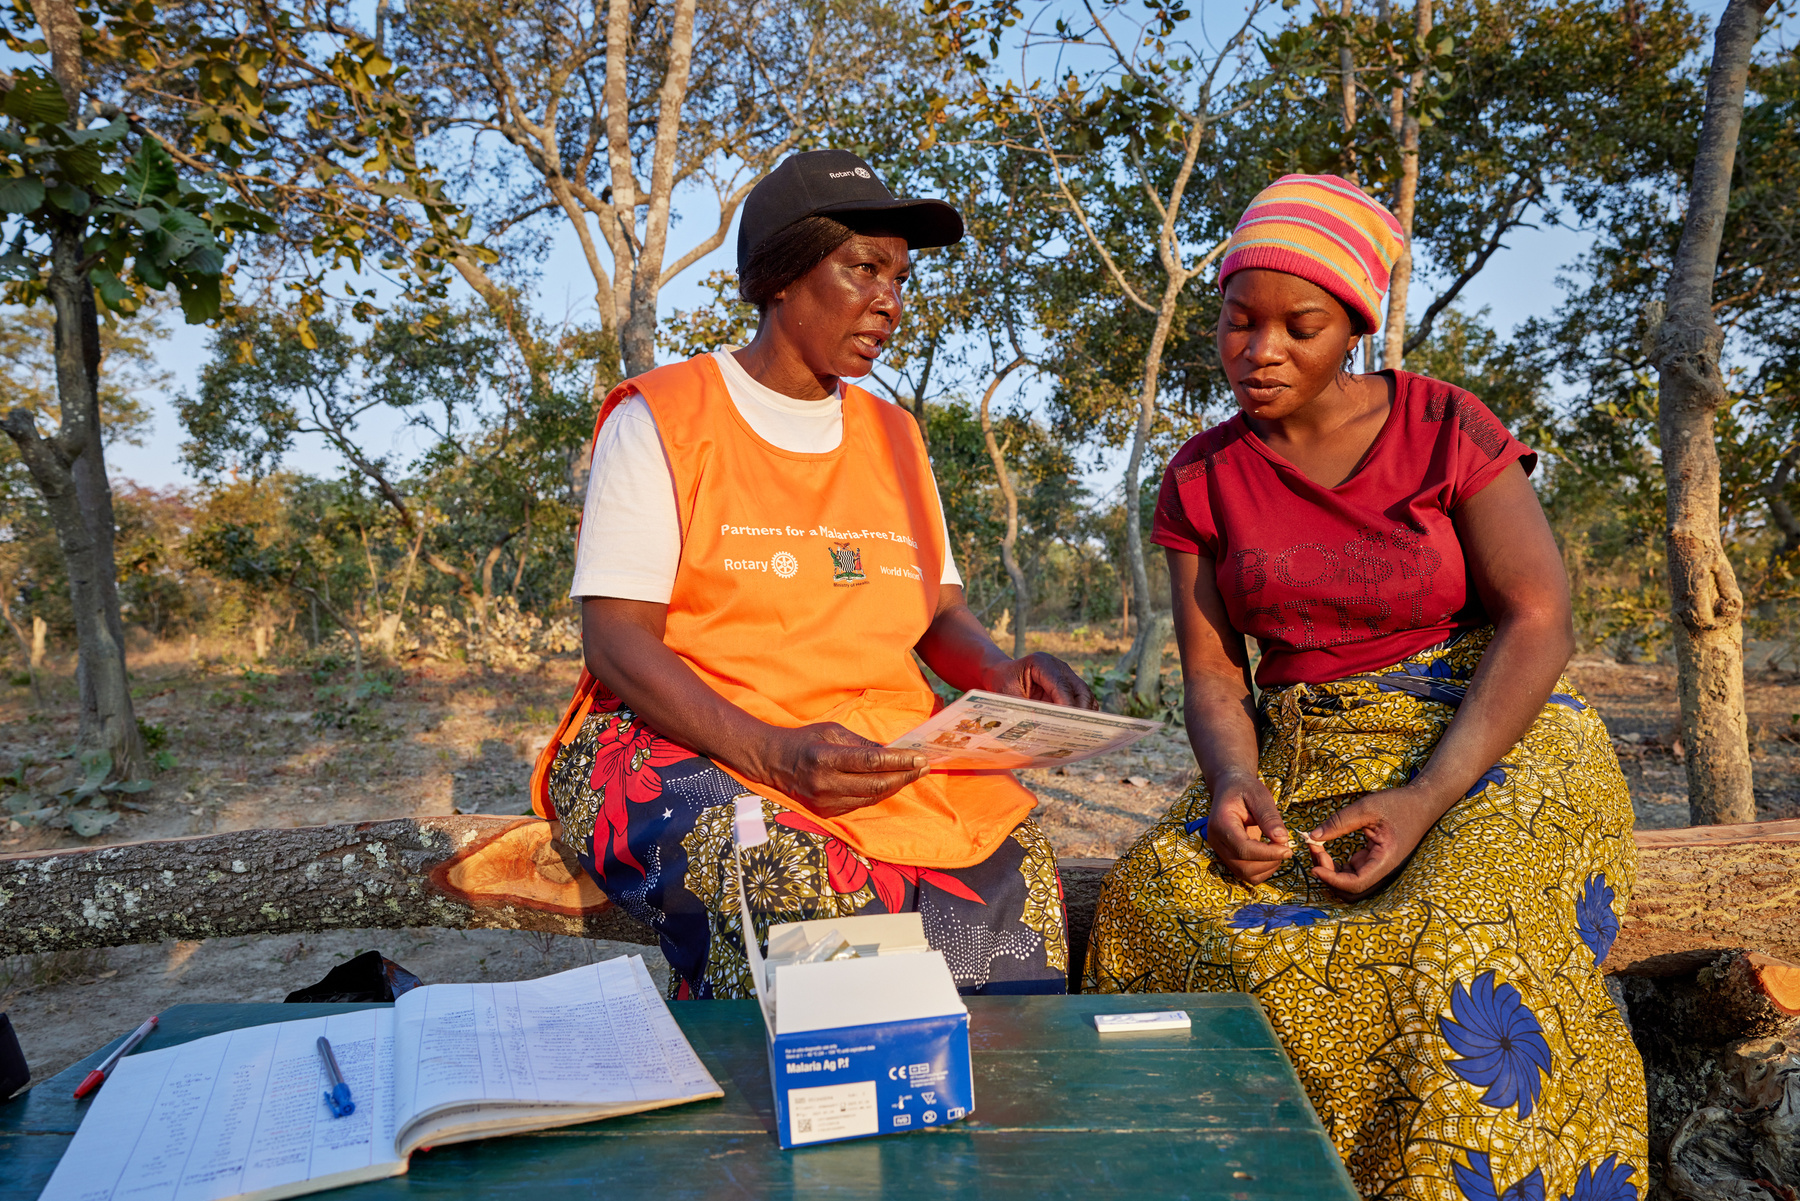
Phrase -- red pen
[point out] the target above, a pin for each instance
(98, 1076)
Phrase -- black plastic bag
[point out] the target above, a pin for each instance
(371, 976)
(13, 1072)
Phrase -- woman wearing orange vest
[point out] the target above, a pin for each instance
(761, 554)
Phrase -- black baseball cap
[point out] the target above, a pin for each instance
(833, 182)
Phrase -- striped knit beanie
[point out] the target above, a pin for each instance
(1326, 231)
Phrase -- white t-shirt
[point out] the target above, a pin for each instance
(630, 539)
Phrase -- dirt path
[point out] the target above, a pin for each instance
(273, 747)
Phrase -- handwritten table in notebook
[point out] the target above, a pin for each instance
(1211, 1112)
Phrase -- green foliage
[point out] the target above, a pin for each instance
(1606, 494)
(1531, 111)
(1056, 543)
(207, 126)
(142, 228)
(727, 321)
(280, 130)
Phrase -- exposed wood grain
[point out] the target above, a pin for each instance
(1709, 889)
(1736, 994)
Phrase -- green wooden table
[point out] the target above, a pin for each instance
(1060, 1112)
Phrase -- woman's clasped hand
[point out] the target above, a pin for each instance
(1247, 833)
(1245, 829)
(1393, 823)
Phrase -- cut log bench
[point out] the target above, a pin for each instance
(1700, 892)
(1722, 902)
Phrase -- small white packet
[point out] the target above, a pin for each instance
(1167, 1019)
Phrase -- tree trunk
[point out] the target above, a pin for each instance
(469, 871)
(26, 650)
(1393, 351)
(638, 268)
(997, 453)
(1347, 95)
(1726, 995)
(1140, 438)
(1154, 633)
(1701, 893)
(1781, 514)
(322, 600)
(919, 410)
(69, 470)
(1707, 626)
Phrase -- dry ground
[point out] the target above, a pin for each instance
(269, 745)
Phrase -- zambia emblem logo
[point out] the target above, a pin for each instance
(846, 565)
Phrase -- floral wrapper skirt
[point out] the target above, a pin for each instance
(1453, 1032)
(652, 822)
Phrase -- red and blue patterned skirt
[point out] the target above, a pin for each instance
(652, 822)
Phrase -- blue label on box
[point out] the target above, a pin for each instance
(855, 1081)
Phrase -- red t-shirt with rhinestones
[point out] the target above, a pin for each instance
(1336, 581)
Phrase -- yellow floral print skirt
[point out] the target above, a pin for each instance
(1453, 1031)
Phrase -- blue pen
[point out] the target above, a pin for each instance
(338, 1099)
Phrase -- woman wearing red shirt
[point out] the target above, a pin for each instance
(1414, 846)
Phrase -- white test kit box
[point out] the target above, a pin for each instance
(872, 1044)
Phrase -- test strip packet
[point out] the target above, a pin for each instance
(1167, 1019)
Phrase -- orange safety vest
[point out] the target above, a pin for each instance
(804, 583)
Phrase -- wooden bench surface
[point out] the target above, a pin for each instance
(1214, 1112)
(1700, 891)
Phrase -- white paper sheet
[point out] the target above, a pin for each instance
(986, 730)
(592, 1036)
(235, 1113)
(243, 1114)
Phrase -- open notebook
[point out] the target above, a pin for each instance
(242, 1114)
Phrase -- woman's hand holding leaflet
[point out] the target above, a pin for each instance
(833, 770)
(1041, 677)
(826, 767)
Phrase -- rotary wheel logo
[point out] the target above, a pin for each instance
(784, 564)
